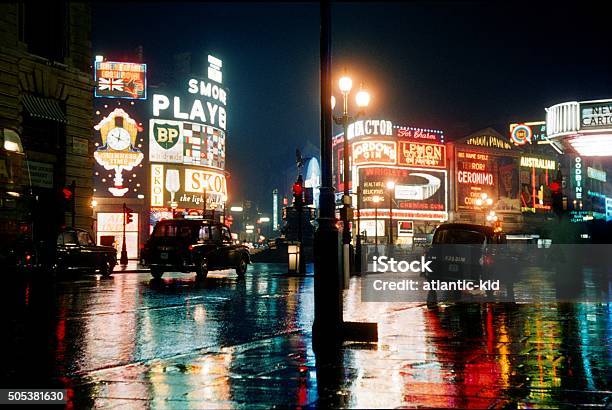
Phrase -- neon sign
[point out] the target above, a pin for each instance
(369, 127)
(422, 155)
(488, 141)
(120, 80)
(420, 134)
(183, 187)
(374, 152)
(596, 115)
(578, 177)
(207, 104)
(119, 150)
(540, 163)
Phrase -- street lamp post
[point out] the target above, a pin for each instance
(358, 239)
(391, 189)
(485, 203)
(362, 99)
(376, 199)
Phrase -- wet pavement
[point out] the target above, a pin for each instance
(129, 342)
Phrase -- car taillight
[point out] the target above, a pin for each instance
(190, 247)
(28, 257)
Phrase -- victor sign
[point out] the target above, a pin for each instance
(363, 128)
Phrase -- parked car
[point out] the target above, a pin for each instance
(193, 245)
(73, 250)
(465, 251)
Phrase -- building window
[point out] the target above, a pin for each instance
(44, 28)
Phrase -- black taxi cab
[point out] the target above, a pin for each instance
(73, 250)
(465, 251)
(193, 245)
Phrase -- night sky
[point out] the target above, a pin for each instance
(458, 67)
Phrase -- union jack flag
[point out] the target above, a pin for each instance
(111, 84)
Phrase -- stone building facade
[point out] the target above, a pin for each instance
(46, 98)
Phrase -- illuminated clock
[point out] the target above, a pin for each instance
(118, 139)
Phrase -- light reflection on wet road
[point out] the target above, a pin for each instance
(180, 343)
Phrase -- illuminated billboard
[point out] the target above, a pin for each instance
(419, 134)
(118, 150)
(205, 104)
(120, 80)
(415, 189)
(535, 176)
(183, 186)
(596, 115)
(418, 154)
(374, 152)
(478, 173)
(183, 142)
(528, 133)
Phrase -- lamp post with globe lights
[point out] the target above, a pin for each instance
(362, 98)
(486, 204)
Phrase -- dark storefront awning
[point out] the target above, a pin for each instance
(44, 108)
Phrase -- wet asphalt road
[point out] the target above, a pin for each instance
(129, 342)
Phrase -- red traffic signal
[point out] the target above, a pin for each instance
(555, 187)
(297, 189)
(67, 192)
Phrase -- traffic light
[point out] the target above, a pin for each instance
(68, 199)
(298, 193)
(67, 193)
(129, 216)
(556, 195)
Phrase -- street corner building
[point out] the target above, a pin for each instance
(45, 118)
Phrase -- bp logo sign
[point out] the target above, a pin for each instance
(166, 135)
(166, 141)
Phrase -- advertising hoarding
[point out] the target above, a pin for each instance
(118, 150)
(120, 80)
(528, 133)
(184, 186)
(596, 115)
(415, 189)
(374, 152)
(183, 142)
(535, 176)
(419, 154)
(478, 173)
